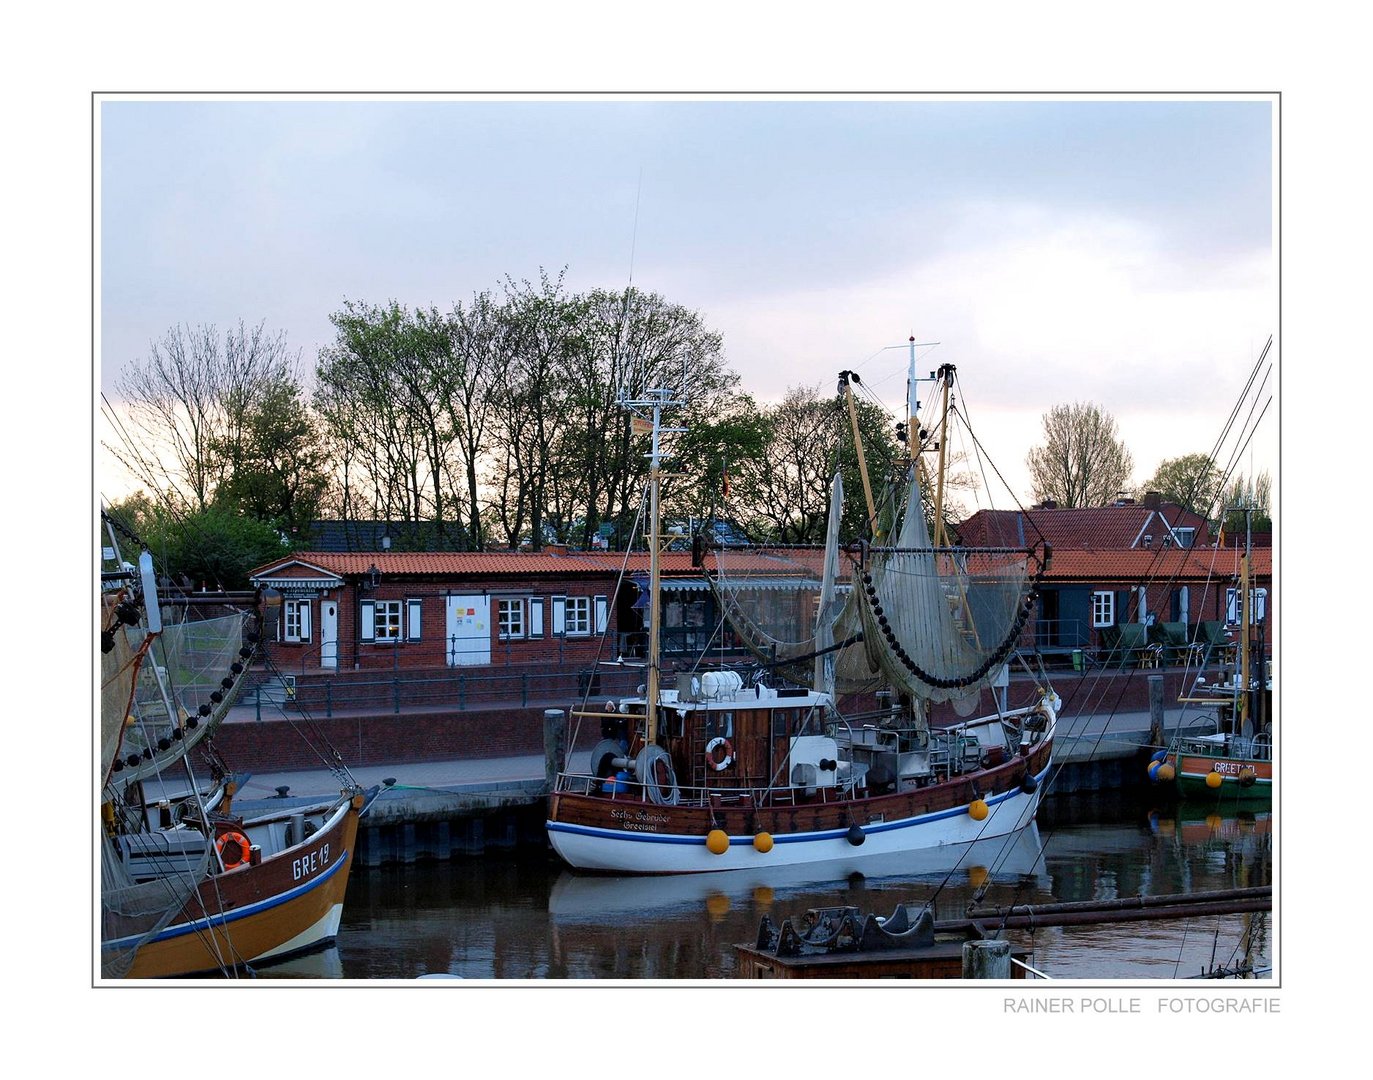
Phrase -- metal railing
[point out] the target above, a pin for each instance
(450, 689)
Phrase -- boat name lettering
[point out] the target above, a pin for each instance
(309, 864)
(1229, 768)
(640, 821)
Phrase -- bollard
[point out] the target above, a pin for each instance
(554, 746)
(986, 960)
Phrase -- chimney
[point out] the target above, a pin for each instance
(1153, 499)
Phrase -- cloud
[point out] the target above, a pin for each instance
(1035, 305)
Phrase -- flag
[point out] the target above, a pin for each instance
(724, 479)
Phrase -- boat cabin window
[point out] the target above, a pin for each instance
(787, 723)
(720, 724)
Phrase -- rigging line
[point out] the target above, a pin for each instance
(1244, 393)
(1252, 431)
(147, 471)
(624, 568)
(1248, 424)
(309, 728)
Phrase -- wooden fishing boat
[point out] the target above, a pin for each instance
(188, 886)
(1235, 762)
(275, 897)
(730, 770)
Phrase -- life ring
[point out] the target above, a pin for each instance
(233, 848)
(723, 763)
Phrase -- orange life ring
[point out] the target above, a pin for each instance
(225, 846)
(723, 763)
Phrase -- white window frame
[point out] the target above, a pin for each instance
(414, 618)
(1103, 608)
(506, 607)
(535, 618)
(1186, 535)
(295, 621)
(577, 616)
(1258, 606)
(383, 611)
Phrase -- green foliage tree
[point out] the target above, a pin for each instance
(1192, 481)
(1083, 461)
(214, 548)
(281, 472)
(382, 393)
(1253, 492)
(786, 487)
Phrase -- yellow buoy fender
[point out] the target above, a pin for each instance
(1213, 779)
(717, 841)
(978, 809)
(763, 842)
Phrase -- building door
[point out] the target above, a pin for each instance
(328, 634)
(468, 635)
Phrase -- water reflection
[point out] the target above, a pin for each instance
(526, 917)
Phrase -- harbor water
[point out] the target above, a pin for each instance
(522, 916)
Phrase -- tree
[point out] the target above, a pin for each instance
(786, 488)
(1083, 462)
(1192, 481)
(281, 473)
(382, 393)
(214, 548)
(190, 399)
(1255, 493)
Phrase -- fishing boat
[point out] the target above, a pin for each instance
(187, 885)
(757, 769)
(1235, 762)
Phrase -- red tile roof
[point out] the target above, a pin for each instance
(1099, 527)
(1069, 564)
(471, 563)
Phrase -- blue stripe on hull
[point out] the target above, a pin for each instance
(228, 918)
(789, 838)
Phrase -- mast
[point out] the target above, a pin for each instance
(1245, 617)
(940, 538)
(846, 380)
(655, 401)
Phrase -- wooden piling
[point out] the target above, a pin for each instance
(554, 745)
(1157, 736)
(986, 960)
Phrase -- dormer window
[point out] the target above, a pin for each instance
(1185, 536)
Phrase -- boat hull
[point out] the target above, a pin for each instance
(287, 904)
(635, 837)
(1236, 782)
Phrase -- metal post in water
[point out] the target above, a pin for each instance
(554, 745)
(986, 960)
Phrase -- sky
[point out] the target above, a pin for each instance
(1117, 250)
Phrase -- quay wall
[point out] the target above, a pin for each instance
(460, 821)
